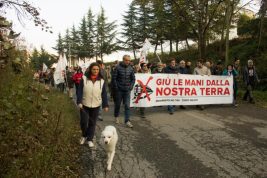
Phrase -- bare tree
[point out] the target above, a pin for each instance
(24, 10)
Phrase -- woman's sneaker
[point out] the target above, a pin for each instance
(117, 120)
(90, 144)
(82, 140)
(129, 124)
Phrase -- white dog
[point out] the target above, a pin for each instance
(109, 138)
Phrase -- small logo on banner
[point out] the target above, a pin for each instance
(142, 91)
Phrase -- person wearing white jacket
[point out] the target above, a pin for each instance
(90, 96)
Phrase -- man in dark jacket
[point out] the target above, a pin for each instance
(250, 78)
(123, 80)
(171, 69)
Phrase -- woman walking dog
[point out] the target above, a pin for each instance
(90, 96)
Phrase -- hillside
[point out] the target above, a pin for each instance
(38, 128)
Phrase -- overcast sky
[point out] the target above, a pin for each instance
(62, 14)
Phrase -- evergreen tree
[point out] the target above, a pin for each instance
(83, 33)
(144, 22)
(67, 43)
(44, 58)
(59, 47)
(158, 24)
(75, 41)
(35, 59)
(105, 38)
(91, 34)
(129, 31)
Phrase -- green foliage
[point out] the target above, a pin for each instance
(75, 41)
(249, 27)
(37, 134)
(243, 22)
(60, 46)
(83, 48)
(130, 30)
(94, 37)
(105, 37)
(91, 34)
(67, 43)
(38, 58)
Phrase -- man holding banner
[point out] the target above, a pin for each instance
(171, 69)
(201, 70)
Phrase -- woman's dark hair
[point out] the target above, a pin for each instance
(79, 70)
(229, 65)
(88, 71)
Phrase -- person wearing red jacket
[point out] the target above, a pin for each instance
(77, 78)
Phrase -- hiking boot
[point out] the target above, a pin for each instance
(129, 124)
(171, 113)
(90, 144)
(117, 120)
(82, 140)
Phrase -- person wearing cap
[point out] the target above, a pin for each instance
(250, 79)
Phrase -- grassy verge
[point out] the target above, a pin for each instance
(38, 129)
(260, 97)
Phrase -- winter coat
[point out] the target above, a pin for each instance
(246, 76)
(92, 94)
(70, 81)
(171, 70)
(77, 77)
(183, 70)
(123, 77)
(234, 73)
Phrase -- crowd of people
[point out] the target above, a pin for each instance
(92, 86)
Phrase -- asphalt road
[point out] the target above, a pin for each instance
(221, 141)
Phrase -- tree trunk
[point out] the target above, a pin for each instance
(156, 47)
(202, 45)
(170, 46)
(229, 14)
(101, 56)
(134, 54)
(262, 15)
(222, 36)
(161, 47)
(177, 45)
(187, 44)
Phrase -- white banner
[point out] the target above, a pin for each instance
(143, 52)
(44, 67)
(60, 68)
(178, 89)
